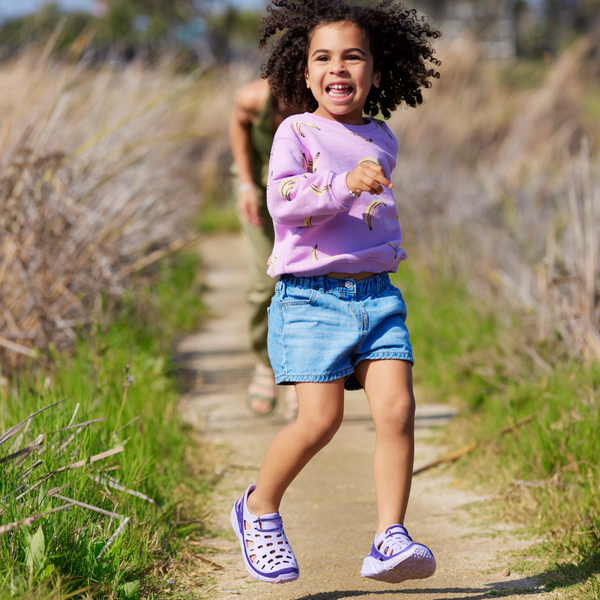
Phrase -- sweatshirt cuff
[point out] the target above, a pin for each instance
(340, 190)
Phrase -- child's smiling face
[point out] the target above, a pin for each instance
(340, 71)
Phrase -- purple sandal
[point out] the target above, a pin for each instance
(267, 553)
(394, 557)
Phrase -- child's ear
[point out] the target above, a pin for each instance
(306, 77)
(376, 78)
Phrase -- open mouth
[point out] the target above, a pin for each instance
(338, 90)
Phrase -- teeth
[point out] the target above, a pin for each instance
(339, 90)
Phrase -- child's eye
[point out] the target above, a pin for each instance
(353, 57)
(322, 58)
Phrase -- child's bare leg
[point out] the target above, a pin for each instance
(320, 413)
(388, 385)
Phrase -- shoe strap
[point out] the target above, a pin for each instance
(279, 526)
(396, 538)
(395, 530)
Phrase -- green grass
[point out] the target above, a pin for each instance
(218, 212)
(545, 472)
(525, 74)
(446, 327)
(118, 372)
(217, 219)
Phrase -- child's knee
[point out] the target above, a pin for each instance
(399, 414)
(320, 429)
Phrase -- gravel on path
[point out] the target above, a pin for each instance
(329, 511)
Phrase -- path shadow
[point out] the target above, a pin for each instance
(420, 420)
(558, 576)
(514, 587)
(194, 354)
(572, 573)
(187, 375)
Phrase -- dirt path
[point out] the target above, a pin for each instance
(329, 511)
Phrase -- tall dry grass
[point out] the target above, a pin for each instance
(98, 168)
(499, 185)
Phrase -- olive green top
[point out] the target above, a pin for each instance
(262, 133)
(261, 136)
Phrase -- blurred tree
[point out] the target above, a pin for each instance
(233, 33)
(540, 27)
(127, 25)
(564, 19)
(146, 19)
(38, 26)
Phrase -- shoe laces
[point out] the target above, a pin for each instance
(395, 539)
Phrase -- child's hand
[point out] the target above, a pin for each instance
(367, 177)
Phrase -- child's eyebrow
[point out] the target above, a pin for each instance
(326, 51)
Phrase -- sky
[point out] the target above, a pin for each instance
(13, 8)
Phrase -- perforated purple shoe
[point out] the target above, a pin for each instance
(266, 552)
(394, 557)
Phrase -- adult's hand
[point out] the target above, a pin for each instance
(248, 204)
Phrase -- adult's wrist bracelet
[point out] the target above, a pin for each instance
(244, 187)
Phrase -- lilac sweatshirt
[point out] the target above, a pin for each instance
(319, 227)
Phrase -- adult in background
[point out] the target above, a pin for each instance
(254, 120)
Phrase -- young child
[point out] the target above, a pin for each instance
(335, 321)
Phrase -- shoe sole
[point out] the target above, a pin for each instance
(285, 578)
(419, 564)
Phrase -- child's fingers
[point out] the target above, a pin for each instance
(368, 177)
(372, 186)
(377, 173)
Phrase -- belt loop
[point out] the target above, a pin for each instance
(322, 284)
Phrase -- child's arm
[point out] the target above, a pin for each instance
(298, 189)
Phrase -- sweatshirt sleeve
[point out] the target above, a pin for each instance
(295, 193)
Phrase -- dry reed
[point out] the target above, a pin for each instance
(97, 169)
(500, 186)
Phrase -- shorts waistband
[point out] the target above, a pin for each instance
(370, 285)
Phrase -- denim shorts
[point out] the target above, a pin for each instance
(320, 328)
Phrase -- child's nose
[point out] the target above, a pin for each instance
(337, 66)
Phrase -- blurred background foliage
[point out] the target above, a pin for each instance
(124, 29)
(221, 32)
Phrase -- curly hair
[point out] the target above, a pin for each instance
(397, 37)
